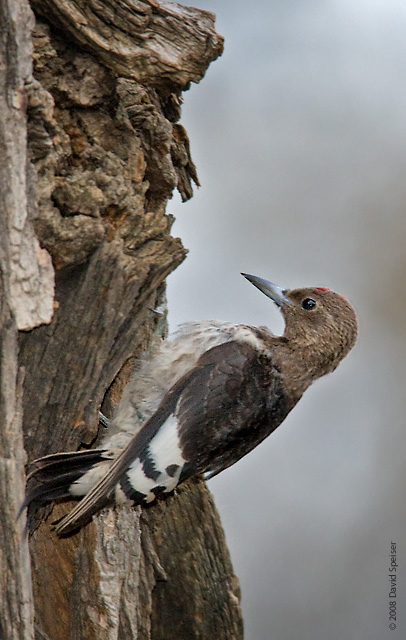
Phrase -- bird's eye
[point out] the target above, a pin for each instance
(308, 304)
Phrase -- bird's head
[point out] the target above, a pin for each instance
(317, 320)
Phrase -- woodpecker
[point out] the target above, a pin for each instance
(210, 394)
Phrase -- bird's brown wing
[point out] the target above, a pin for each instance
(232, 402)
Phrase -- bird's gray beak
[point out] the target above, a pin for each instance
(273, 291)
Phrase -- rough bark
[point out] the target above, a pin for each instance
(107, 152)
(22, 265)
(157, 42)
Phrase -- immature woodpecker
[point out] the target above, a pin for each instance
(209, 396)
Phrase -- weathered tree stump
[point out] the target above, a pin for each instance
(105, 152)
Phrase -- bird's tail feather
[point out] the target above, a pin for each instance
(52, 476)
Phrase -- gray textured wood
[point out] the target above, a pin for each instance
(30, 273)
(20, 305)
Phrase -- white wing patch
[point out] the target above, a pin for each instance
(165, 452)
(165, 446)
(140, 482)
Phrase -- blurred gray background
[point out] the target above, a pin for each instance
(299, 136)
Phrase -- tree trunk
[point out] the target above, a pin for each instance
(25, 300)
(106, 153)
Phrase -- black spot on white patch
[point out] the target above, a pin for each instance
(172, 469)
(158, 490)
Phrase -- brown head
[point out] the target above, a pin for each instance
(320, 324)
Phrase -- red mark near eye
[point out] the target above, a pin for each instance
(326, 289)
